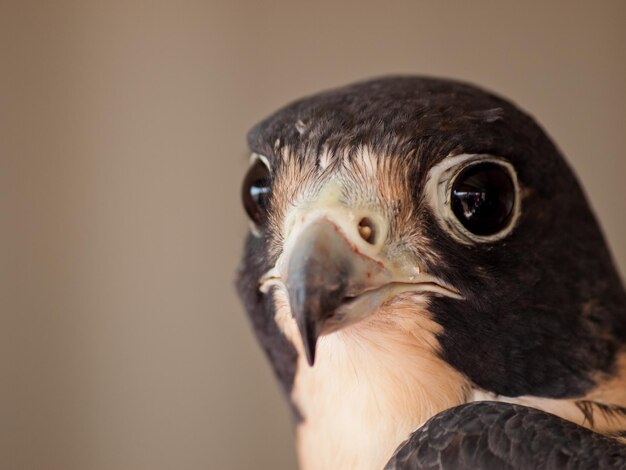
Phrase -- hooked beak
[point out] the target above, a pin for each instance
(322, 271)
(331, 282)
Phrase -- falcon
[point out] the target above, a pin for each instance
(430, 285)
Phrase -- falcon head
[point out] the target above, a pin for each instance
(402, 206)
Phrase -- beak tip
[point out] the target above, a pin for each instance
(310, 356)
(308, 334)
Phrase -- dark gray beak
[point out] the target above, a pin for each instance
(324, 270)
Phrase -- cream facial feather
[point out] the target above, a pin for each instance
(372, 385)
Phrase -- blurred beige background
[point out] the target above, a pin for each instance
(122, 146)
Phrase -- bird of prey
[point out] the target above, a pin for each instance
(430, 285)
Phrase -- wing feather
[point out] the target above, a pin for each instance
(494, 435)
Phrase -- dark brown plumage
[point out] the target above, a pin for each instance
(540, 313)
(494, 435)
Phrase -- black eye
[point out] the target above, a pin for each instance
(483, 196)
(255, 192)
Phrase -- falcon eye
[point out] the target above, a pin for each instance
(256, 190)
(482, 198)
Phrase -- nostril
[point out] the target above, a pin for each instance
(366, 230)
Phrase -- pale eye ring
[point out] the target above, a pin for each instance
(477, 197)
